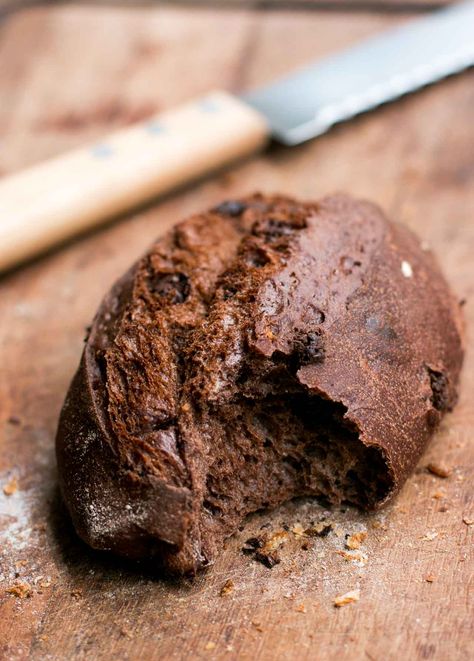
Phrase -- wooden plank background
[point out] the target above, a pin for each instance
(67, 75)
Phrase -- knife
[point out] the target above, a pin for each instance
(50, 202)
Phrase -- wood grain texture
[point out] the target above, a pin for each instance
(66, 76)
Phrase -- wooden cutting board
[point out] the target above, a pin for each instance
(69, 74)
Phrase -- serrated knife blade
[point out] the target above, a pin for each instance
(309, 102)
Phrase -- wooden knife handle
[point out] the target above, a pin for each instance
(53, 201)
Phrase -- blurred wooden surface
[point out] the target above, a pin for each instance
(66, 76)
(396, 5)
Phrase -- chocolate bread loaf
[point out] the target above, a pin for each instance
(263, 350)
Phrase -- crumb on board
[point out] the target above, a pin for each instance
(276, 540)
(468, 520)
(268, 559)
(356, 556)
(347, 598)
(301, 608)
(439, 495)
(210, 646)
(20, 589)
(439, 469)
(227, 588)
(265, 549)
(429, 536)
(252, 544)
(321, 529)
(355, 540)
(11, 486)
(298, 530)
(257, 626)
(430, 578)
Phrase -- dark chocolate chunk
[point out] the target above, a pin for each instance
(172, 288)
(309, 348)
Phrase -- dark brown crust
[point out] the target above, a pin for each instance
(328, 305)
